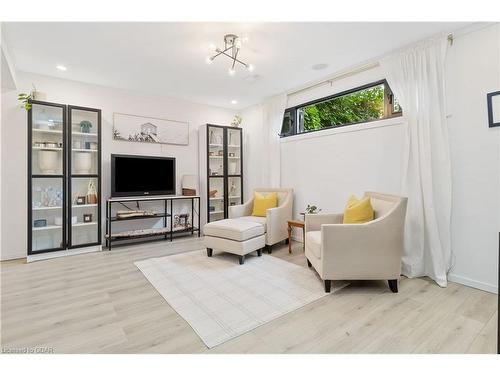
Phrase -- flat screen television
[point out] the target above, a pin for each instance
(133, 175)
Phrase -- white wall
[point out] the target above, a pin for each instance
(473, 70)
(14, 137)
(326, 167)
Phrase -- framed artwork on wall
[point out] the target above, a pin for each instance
(134, 128)
(493, 109)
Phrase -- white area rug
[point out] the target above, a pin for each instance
(221, 299)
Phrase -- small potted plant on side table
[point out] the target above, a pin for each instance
(310, 209)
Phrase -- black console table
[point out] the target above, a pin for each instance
(167, 231)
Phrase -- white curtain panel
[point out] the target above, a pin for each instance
(416, 76)
(273, 110)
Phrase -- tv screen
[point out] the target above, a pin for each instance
(142, 175)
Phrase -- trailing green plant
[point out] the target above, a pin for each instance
(25, 100)
(312, 209)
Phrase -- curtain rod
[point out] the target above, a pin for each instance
(363, 68)
(350, 73)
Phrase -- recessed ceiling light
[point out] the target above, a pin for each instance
(61, 67)
(234, 101)
(319, 66)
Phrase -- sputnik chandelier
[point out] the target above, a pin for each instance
(232, 46)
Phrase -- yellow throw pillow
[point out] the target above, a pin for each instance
(261, 202)
(358, 211)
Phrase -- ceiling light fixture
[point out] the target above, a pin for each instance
(61, 67)
(234, 101)
(232, 46)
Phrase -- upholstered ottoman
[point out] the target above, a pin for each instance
(234, 236)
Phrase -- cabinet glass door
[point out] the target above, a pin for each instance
(46, 215)
(234, 152)
(216, 206)
(84, 217)
(234, 167)
(84, 181)
(216, 172)
(234, 193)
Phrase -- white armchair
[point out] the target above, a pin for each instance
(368, 251)
(275, 222)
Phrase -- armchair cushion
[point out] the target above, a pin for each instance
(313, 240)
(261, 203)
(358, 212)
(256, 219)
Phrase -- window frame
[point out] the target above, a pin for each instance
(292, 112)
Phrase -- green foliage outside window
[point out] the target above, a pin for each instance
(361, 106)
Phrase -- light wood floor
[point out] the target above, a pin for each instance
(101, 303)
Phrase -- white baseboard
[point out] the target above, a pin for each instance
(62, 253)
(473, 283)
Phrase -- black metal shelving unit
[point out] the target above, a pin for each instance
(166, 232)
(224, 148)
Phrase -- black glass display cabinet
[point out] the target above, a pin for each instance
(64, 177)
(224, 147)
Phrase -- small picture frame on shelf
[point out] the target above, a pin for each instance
(220, 152)
(211, 153)
(80, 200)
(87, 218)
(232, 154)
(39, 223)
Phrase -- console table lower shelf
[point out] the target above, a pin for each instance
(167, 231)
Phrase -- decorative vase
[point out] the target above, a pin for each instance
(212, 139)
(83, 162)
(91, 193)
(47, 161)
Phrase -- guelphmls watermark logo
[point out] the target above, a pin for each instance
(29, 350)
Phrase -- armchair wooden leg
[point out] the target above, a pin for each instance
(287, 241)
(308, 263)
(393, 285)
(209, 252)
(328, 284)
(242, 259)
(269, 249)
(259, 252)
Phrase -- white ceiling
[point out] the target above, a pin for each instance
(169, 58)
